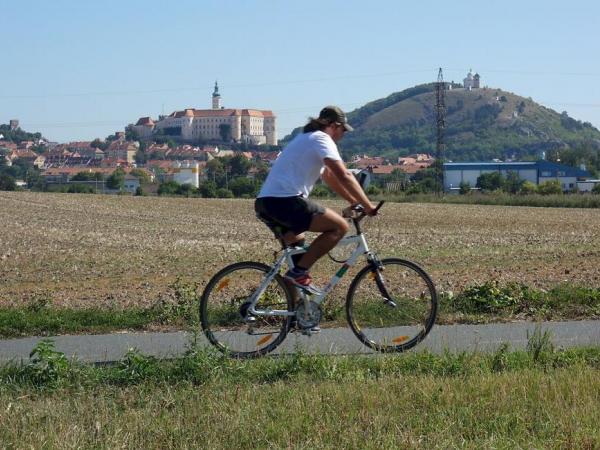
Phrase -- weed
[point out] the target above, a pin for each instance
(539, 345)
(39, 301)
(500, 358)
(48, 367)
(180, 304)
(135, 367)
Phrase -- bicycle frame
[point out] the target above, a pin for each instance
(361, 249)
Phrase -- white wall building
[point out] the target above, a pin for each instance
(186, 172)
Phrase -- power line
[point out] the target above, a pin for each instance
(233, 86)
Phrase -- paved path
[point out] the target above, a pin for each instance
(454, 338)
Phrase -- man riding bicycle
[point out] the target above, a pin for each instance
(283, 203)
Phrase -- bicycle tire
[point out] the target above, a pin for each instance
(376, 322)
(222, 314)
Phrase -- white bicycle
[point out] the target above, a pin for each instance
(247, 308)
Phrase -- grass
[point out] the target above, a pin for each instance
(540, 398)
(478, 303)
(16, 322)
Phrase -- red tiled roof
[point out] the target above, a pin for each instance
(121, 146)
(221, 113)
(147, 121)
(76, 170)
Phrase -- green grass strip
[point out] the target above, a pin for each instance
(49, 369)
(15, 322)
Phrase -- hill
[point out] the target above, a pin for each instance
(481, 124)
(17, 135)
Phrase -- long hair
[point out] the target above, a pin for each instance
(315, 125)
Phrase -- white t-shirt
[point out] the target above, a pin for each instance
(300, 165)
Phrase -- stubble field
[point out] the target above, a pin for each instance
(120, 251)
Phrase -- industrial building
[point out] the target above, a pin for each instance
(536, 172)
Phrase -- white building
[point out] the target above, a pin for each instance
(240, 125)
(472, 81)
(587, 185)
(186, 172)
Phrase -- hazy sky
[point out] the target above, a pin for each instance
(76, 70)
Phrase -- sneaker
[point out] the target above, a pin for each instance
(302, 280)
(295, 327)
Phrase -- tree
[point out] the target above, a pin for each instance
(142, 175)
(238, 164)
(513, 183)
(116, 180)
(7, 183)
(490, 181)
(208, 189)
(168, 188)
(88, 176)
(186, 190)
(596, 189)
(215, 171)
(242, 186)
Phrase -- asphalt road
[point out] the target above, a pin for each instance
(453, 338)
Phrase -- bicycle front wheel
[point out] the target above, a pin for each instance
(393, 309)
(224, 314)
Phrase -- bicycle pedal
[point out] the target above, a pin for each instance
(310, 331)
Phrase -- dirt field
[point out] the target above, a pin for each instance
(84, 250)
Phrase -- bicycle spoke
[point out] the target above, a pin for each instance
(381, 325)
(226, 319)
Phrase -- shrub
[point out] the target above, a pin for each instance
(224, 193)
(78, 188)
(550, 187)
(464, 187)
(528, 188)
(168, 188)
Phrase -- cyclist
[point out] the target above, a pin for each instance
(283, 203)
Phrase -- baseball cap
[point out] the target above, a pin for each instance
(334, 114)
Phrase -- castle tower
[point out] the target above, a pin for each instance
(216, 98)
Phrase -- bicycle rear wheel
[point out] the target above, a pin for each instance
(396, 311)
(224, 314)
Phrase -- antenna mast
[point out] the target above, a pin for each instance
(440, 115)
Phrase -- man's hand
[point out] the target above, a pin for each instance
(354, 211)
(370, 210)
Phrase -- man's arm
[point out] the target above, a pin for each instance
(343, 183)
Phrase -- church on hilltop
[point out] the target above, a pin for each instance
(472, 81)
(219, 123)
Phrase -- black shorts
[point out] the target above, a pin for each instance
(283, 214)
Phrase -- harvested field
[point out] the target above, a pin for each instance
(92, 250)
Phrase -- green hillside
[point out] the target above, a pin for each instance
(481, 124)
(17, 135)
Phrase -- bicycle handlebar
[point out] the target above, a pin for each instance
(361, 211)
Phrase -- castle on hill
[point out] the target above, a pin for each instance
(219, 123)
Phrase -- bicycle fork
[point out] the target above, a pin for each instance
(376, 272)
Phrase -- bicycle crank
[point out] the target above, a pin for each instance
(308, 317)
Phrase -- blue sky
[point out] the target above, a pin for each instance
(77, 70)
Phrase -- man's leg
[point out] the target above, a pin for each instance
(333, 228)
